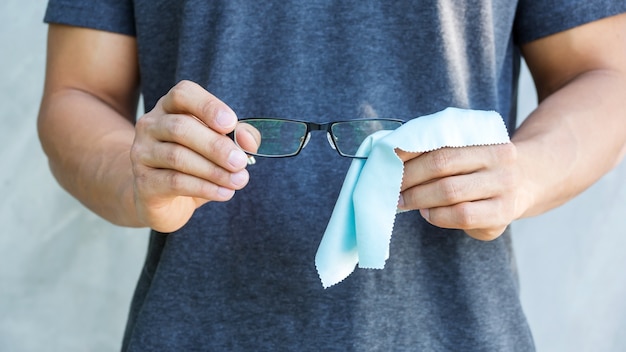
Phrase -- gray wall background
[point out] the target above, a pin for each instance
(66, 276)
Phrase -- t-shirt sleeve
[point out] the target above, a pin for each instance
(108, 15)
(539, 18)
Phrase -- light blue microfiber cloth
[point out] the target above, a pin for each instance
(359, 230)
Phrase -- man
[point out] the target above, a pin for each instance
(230, 263)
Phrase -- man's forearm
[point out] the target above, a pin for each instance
(90, 159)
(575, 136)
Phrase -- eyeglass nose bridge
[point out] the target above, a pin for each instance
(325, 127)
(335, 134)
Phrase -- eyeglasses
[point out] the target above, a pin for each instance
(281, 138)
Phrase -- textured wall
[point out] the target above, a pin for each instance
(572, 264)
(66, 276)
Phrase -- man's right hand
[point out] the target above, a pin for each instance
(182, 157)
(154, 173)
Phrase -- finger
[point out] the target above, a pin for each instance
(405, 156)
(247, 137)
(182, 130)
(167, 184)
(446, 162)
(176, 157)
(450, 190)
(484, 219)
(187, 97)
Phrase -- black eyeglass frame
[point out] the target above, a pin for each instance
(310, 127)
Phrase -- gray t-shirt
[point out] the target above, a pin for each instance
(241, 275)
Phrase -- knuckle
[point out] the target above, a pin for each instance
(206, 190)
(439, 161)
(216, 175)
(465, 217)
(175, 157)
(143, 123)
(139, 153)
(220, 146)
(509, 182)
(178, 93)
(506, 152)
(176, 181)
(507, 188)
(178, 127)
(140, 175)
(209, 107)
(135, 153)
(224, 143)
(143, 183)
(506, 214)
(184, 84)
(449, 190)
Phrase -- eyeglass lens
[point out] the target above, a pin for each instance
(349, 135)
(281, 138)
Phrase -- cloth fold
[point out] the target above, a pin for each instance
(360, 227)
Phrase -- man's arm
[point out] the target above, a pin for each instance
(578, 131)
(85, 120)
(576, 135)
(153, 174)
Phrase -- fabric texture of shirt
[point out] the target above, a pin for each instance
(241, 275)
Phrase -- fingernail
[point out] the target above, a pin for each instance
(226, 119)
(239, 178)
(425, 213)
(237, 159)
